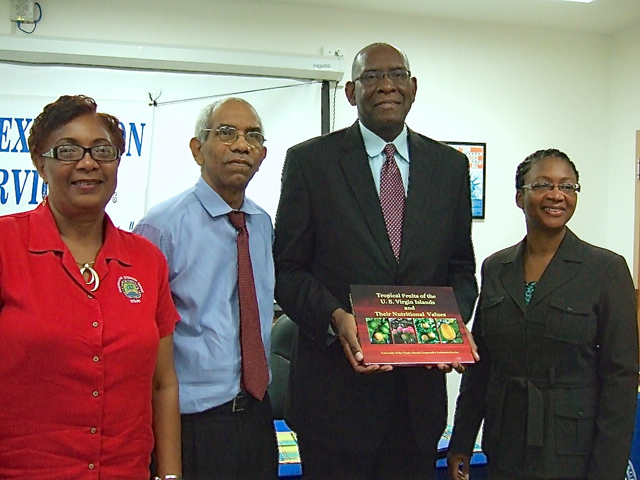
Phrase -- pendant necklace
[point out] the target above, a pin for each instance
(95, 279)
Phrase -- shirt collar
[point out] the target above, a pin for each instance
(44, 236)
(215, 205)
(374, 145)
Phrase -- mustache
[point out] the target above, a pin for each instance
(240, 159)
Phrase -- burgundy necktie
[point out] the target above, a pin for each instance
(392, 199)
(255, 372)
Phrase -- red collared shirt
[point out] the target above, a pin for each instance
(76, 366)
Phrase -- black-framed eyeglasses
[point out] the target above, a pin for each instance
(228, 135)
(567, 188)
(373, 77)
(74, 153)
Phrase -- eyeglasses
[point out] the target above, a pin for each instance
(566, 188)
(373, 77)
(229, 135)
(74, 153)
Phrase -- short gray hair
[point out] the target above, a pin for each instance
(204, 118)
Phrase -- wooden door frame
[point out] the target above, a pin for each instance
(636, 256)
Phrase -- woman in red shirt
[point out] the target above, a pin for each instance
(86, 319)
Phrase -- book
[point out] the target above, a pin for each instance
(402, 325)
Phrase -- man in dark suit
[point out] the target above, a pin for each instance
(336, 227)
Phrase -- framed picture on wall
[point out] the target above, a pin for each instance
(477, 155)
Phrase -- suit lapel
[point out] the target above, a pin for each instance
(420, 172)
(512, 275)
(355, 165)
(564, 265)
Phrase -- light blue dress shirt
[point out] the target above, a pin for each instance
(374, 146)
(194, 233)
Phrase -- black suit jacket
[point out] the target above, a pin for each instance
(330, 233)
(557, 379)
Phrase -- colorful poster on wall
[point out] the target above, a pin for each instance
(477, 154)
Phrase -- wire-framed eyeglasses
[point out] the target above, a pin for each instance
(74, 153)
(566, 187)
(228, 135)
(373, 77)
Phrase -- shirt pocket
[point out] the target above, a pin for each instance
(495, 320)
(575, 422)
(570, 321)
(490, 313)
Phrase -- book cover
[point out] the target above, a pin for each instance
(400, 325)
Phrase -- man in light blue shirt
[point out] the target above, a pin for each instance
(226, 432)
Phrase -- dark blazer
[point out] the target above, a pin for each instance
(557, 379)
(330, 233)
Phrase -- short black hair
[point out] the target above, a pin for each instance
(535, 157)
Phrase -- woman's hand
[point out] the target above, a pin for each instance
(458, 466)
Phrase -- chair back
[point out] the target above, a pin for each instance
(283, 334)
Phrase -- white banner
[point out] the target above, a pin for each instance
(157, 163)
(22, 189)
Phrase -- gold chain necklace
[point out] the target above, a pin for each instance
(88, 267)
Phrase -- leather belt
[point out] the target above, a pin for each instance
(239, 403)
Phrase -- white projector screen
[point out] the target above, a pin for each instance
(158, 163)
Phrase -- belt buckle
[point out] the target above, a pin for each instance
(237, 401)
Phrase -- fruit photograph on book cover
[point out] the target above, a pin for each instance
(402, 330)
(378, 330)
(409, 325)
(449, 330)
(427, 330)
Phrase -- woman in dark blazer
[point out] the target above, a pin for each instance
(557, 337)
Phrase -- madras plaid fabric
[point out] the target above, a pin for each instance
(288, 447)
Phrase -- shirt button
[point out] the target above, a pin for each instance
(95, 324)
(93, 430)
(91, 466)
(89, 296)
(569, 309)
(96, 358)
(96, 393)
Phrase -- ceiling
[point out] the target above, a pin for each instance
(600, 16)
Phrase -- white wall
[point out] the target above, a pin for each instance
(518, 89)
(624, 121)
